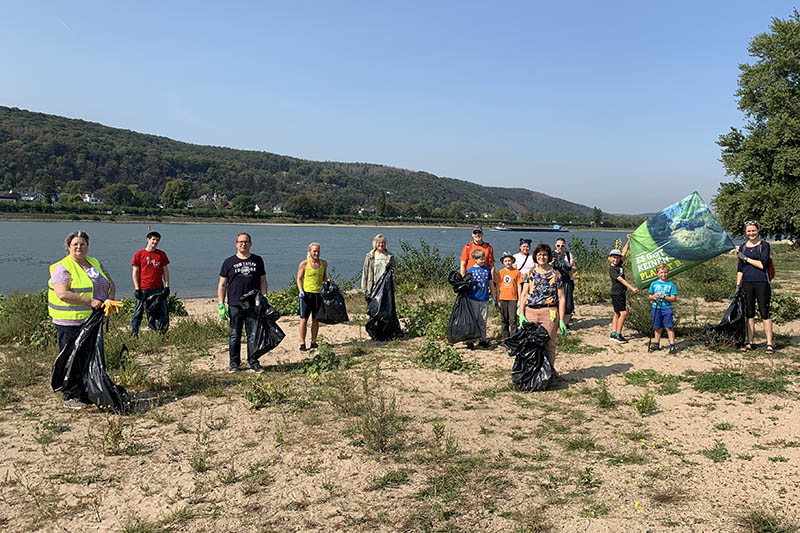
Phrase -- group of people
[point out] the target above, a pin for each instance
(536, 287)
(532, 286)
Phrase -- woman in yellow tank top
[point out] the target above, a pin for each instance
(310, 274)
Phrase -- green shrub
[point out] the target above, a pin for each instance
(423, 266)
(426, 319)
(646, 405)
(590, 289)
(784, 307)
(287, 300)
(709, 280)
(24, 320)
(639, 318)
(323, 361)
(262, 393)
(438, 357)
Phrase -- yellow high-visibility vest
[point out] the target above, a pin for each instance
(79, 283)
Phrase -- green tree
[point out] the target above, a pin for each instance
(176, 193)
(505, 214)
(380, 204)
(119, 194)
(597, 216)
(456, 210)
(243, 204)
(764, 157)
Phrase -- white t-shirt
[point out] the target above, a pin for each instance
(524, 263)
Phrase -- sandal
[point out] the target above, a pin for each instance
(770, 349)
(746, 348)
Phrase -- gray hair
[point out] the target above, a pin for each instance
(82, 234)
(375, 240)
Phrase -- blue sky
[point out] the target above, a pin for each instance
(610, 104)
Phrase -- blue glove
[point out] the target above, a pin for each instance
(562, 327)
(302, 294)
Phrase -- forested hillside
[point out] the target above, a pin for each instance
(49, 153)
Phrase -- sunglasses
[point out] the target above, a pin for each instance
(752, 223)
(559, 245)
(476, 232)
(525, 241)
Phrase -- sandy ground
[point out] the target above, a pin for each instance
(550, 461)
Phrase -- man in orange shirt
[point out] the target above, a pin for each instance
(477, 242)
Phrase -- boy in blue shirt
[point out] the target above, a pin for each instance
(662, 294)
(479, 289)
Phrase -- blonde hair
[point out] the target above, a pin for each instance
(375, 240)
(82, 234)
(662, 266)
(311, 245)
(477, 253)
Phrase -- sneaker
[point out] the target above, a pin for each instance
(613, 335)
(303, 348)
(620, 339)
(313, 345)
(255, 367)
(232, 369)
(485, 345)
(673, 350)
(74, 403)
(470, 346)
(654, 348)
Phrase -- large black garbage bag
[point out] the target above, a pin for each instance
(332, 310)
(732, 328)
(532, 370)
(383, 324)
(267, 335)
(82, 362)
(157, 317)
(460, 283)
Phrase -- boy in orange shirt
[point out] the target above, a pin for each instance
(508, 281)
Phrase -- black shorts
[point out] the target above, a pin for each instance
(756, 291)
(618, 301)
(310, 304)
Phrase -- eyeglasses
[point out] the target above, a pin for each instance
(242, 242)
(525, 241)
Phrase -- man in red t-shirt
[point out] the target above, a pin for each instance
(150, 276)
(477, 242)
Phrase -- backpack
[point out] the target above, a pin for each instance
(770, 265)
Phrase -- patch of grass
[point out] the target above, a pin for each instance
(381, 425)
(262, 393)
(390, 480)
(595, 510)
(603, 396)
(627, 458)
(532, 519)
(580, 443)
(574, 344)
(114, 437)
(717, 453)
(668, 383)
(646, 405)
(444, 444)
(723, 426)
(728, 381)
(778, 459)
(766, 521)
(669, 495)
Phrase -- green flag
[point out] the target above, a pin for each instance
(682, 235)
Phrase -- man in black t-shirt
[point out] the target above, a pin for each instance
(240, 274)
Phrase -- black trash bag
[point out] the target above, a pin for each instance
(333, 309)
(463, 325)
(562, 266)
(157, 318)
(82, 362)
(460, 283)
(383, 324)
(731, 330)
(532, 370)
(267, 334)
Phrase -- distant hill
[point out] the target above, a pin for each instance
(48, 152)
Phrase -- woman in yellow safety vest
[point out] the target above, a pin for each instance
(78, 284)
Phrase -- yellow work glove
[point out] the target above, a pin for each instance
(111, 306)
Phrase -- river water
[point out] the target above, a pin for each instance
(196, 251)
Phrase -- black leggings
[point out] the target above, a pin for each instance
(756, 291)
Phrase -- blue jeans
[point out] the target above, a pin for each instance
(240, 317)
(138, 311)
